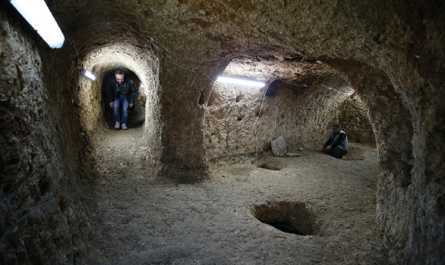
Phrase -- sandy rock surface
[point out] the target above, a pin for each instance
(141, 219)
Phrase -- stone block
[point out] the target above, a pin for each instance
(279, 146)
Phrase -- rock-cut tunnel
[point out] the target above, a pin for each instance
(193, 179)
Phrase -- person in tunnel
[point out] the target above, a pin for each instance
(337, 144)
(121, 92)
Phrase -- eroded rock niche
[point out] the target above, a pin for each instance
(301, 102)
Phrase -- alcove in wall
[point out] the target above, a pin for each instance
(300, 101)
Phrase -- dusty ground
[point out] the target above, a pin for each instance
(141, 219)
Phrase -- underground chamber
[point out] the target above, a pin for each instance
(391, 55)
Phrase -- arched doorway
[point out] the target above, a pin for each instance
(136, 114)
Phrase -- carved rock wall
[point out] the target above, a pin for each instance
(242, 120)
(352, 115)
(393, 128)
(43, 156)
(182, 97)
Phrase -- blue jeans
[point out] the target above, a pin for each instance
(116, 109)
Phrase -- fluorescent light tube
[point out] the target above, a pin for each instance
(240, 81)
(89, 75)
(37, 14)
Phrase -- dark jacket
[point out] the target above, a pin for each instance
(129, 90)
(339, 139)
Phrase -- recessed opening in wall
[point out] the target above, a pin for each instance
(202, 99)
(290, 217)
(272, 90)
(297, 86)
(136, 114)
(239, 98)
(302, 102)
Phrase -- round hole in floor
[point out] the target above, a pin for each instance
(270, 166)
(269, 163)
(290, 217)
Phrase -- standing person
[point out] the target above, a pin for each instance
(121, 92)
(337, 145)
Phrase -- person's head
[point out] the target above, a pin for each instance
(336, 128)
(119, 74)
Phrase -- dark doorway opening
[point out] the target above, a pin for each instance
(136, 114)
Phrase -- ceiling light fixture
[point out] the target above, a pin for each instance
(37, 14)
(89, 75)
(240, 81)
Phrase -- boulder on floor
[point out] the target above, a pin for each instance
(278, 146)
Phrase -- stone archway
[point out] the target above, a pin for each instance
(392, 126)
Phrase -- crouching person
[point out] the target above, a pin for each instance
(337, 145)
(122, 93)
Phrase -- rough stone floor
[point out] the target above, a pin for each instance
(141, 219)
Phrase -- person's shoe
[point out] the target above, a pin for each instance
(124, 126)
(117, 125)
